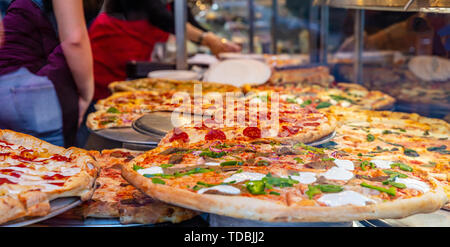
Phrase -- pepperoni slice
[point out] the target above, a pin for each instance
(215, 135)
(252, 132)
(182, 136)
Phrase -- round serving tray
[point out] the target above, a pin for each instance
(158, 124)
(127, 135)
(58, 206)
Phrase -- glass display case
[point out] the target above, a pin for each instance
(398, 47)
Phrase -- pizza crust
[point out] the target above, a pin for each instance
(256, 209)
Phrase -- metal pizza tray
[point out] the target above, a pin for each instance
(440, 218)
(127, 135)
(154, 124)
(115, 222)
(58, 206)
(160, 123)
(225, 221)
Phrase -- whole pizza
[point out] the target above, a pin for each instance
(285, 183)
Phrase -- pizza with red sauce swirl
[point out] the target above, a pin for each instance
(34, 172)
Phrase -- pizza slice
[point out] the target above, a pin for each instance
(34, 172)
(282, 183)
(252, 122)
(417, 141)
(347, 95)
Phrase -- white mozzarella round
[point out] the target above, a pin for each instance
(344, 198)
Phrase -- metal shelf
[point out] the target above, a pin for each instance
(434, 6)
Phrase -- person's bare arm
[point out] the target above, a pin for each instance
(216, 44)
(76, 47)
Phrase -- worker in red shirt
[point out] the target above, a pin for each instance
(129, 29)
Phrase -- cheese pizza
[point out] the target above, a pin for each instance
(34, 172)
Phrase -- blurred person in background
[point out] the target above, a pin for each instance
(46, 69)
(409, 33)
(129, 29)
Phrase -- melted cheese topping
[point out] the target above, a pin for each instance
(244, 176)
(344, 198)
